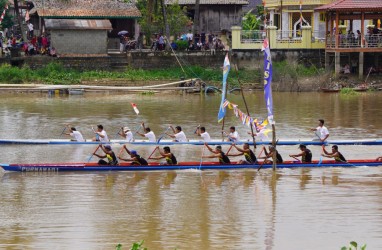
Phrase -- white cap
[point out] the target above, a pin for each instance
(125, 129)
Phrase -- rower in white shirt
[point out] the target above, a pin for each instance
(127, 134)
(202, 133)
(76, 135)
(233, 135)
(178, 135)
(149, 134)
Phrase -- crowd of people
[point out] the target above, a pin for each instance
(34, 45)
(110, 158)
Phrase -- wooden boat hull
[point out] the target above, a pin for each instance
(192, 142)
(91, 167)
(326, 90)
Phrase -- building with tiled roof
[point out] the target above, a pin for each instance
(84, 26)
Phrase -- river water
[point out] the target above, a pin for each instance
(240, 209)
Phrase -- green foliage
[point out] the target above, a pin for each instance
(182, 45)
(348, 92)
(293, 69)
(138, 246)
(251, 22)
(8, 18)
(177, 18)
(152, 21)
(354, 246)
(118, 247)
(55, 73)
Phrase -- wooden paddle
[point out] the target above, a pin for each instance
(63, 131)
(201, 158)
(163, 134)
(155, 149)
(91, 156)
(296, 159)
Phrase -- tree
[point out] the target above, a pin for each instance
(195, 27)
(168, 19)
(19, 20)
(8, 18)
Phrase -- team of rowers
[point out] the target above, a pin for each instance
(223, 157)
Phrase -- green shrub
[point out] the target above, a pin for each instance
(182, 45)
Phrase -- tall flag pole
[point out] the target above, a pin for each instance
(226, 68)
(301, 14)
(268, 92)
(268, 80)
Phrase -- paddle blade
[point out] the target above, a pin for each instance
(135, 108)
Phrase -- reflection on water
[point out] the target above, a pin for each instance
(246, 209)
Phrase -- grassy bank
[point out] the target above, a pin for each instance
(55, 73)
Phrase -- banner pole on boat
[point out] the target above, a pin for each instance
(222, 109)
(268, 93)
(246, 106)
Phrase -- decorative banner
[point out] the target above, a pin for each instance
(135, 108)
(226, 68)
(245, 119)
(268, 80)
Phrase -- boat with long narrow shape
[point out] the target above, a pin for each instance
(92, 167)
(193, 142)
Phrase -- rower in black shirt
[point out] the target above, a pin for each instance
(218, 153)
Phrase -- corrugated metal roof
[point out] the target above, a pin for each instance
(209, 2)
(352, 5)
(77, 24)
(86, 9)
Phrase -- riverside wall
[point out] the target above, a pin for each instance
(159, 60)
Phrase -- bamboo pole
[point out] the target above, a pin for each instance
(246, 106)
(274, 165)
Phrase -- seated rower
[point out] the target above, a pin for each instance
(109, 155)
(250, 157)
(76, 135)
(272, 151)
(178, 135)
(201, 131)
(149, 134)
(218, 153)
(338, 157)
(135, 159)
(167, 155)
(233, 135)
(126, 133)
(306, 154)
(379, 158)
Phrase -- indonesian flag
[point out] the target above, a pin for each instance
(135, 108)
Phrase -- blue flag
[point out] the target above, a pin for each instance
(226, 68)
(268, 80)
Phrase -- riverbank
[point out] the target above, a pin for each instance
(287, 76)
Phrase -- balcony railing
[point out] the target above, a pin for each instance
(288, 36)
(252, 36)
(273, 3)
(351, 41)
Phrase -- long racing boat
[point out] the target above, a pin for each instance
(193, 142)
(91, 167)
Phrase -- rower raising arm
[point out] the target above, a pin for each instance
(334, 154)
(218, 153)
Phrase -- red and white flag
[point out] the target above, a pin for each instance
(135, 108)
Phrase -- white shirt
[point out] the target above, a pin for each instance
(151, 136)
(235, 135)
(30, 26)
(206, 137)
(105, 138)
(322, 132)
(129, 136)
(180, 137)
(77, 136)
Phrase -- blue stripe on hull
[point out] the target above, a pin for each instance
(82, 167)
(280, 142)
